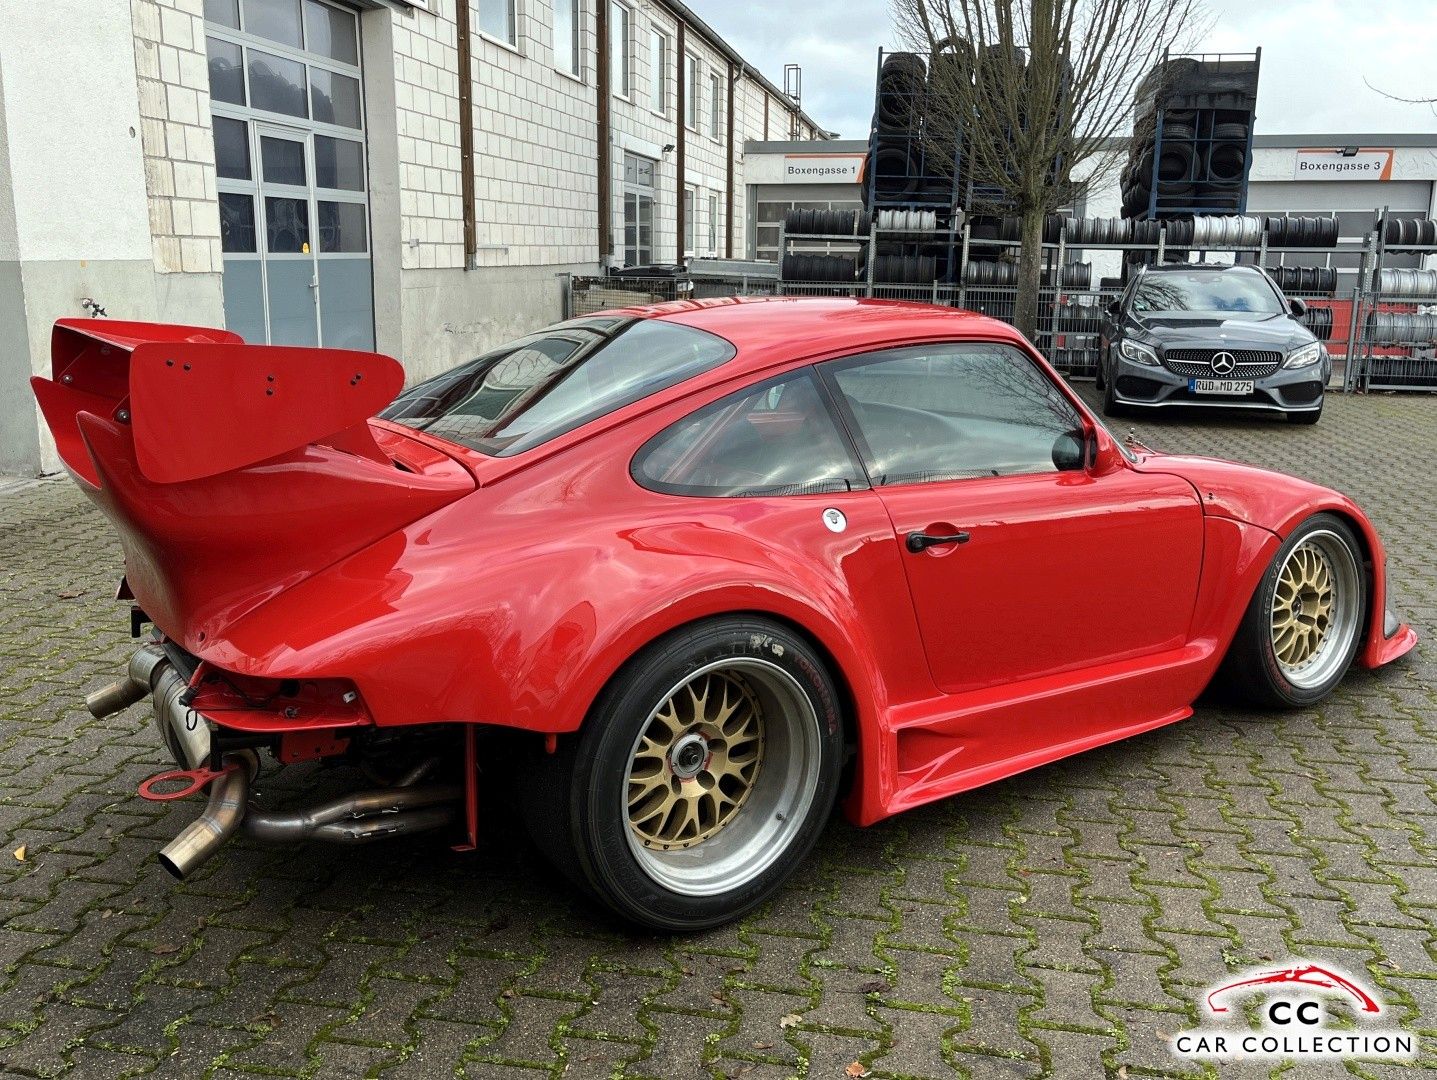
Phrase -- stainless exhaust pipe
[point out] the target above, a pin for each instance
(138, 681)
(118, 695)
(359, 817)
(205, 835)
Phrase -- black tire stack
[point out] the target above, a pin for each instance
(853, 223)
(896, 146)
(1402, 234)
(1301, 231)
(1192, 123)
(1077, 358)
(1304, 280)
(803, 269)
(1319, 320)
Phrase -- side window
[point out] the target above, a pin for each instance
(950, 412)
(775, 439)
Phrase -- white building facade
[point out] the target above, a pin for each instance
(418, 177)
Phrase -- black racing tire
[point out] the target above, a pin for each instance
(1099, 383)
(1310, 417)
(579, 803)
(1253, 670)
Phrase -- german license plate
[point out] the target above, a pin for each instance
(1234, 387)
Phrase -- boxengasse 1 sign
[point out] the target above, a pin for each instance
(823, 168)
(1329, 164)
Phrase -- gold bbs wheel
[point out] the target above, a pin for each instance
(722, 776)
(697, 761)
(1315, 609)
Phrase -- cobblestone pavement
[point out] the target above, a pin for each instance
(1056, 924)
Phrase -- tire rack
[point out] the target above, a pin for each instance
(956, 289)
(1373, 372)
(1175, 205)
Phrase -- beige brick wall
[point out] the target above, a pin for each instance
(176, 135)
(426, 82)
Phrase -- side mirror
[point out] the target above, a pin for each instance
(1114, 308)
(1070, 450)
(1298, 306)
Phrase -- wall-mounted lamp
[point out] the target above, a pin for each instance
(1349, 151)
(669, 148)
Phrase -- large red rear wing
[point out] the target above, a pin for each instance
(201, 402)
(231, 472)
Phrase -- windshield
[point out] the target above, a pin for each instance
(537, 388)
(1206, 291)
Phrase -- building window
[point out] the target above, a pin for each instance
(713, 225)
(690, 232)
(621, 71)
(638, 211)
(691, 106)
(715, 106)
(658, 72)
(568, 20)
(499, 20)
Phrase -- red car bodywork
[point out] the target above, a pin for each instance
(446, 585)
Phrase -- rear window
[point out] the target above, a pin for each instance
(537, 388)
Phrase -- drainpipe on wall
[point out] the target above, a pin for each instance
(728, 197)
(681, 85)
(466, 134)
(605, 178)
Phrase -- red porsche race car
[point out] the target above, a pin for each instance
(684, 575)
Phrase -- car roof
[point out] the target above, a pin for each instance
(1166, 268)
(771, 329)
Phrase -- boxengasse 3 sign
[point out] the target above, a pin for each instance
(1328, 164)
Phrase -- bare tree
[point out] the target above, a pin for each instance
(1035, 128)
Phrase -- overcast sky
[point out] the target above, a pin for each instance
(1315, 54)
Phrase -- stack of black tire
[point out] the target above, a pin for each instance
(1399, 234)
(1192, 130)
(1309, 282)
(826, 226)
(1301, 230)
(904, 168)
(1305, 281)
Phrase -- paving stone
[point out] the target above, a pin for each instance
(1063, 921)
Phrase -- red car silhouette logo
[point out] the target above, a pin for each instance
(1309, 975)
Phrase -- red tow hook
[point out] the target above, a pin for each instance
(197, 779)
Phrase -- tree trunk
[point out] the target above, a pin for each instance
(1030, 270)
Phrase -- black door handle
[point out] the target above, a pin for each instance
(921, 541)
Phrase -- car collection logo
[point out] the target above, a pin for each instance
(1223, 363)
(1293, 1019)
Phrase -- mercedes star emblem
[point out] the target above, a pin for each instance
(1223, 363)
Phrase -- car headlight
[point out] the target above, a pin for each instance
(1304, 357)
(1137, 352)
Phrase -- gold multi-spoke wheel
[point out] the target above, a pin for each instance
(722, 775)
(1316, 609)
(697, 761)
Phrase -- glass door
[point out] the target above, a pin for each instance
(287, 238)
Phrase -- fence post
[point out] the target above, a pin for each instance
(872, 254)
(568, 298)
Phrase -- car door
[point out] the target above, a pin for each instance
(1021, 560)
